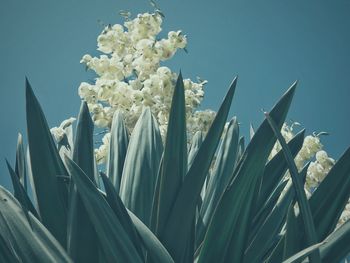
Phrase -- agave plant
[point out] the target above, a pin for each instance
(171, 202)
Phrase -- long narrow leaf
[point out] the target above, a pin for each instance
(82, 243)
(115, 242)
(157, 251)
(47, 168)
(29, 243)
(337, 245)
(20, 167)
(20, 193)
(292, 242)
(228, 230)
(117, 151)
(180, 219)
(174, 165)
(276, 168)
(222, 172)
(303, 203)
(141, 167)
(196, 143)
(329, 200)
(303, 254)
(120, 211)
(271, 227)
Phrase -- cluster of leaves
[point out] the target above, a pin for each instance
(164, 203)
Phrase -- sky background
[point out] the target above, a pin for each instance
(268, 44)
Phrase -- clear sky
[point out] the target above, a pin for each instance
(268, 44)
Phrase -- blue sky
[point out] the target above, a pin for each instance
(268, 44)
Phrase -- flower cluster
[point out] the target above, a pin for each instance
(130, 76)
(311, 149)
(318, 169)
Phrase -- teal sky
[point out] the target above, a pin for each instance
(268, 44)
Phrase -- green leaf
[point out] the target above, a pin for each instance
(141, 167)
(177, 229)
(46, 166)
(82, 243)
(20, 167)
(276, 254)
(276, 168)
(303, 203)
(266, 209)
(241, 148)
(292, 242)
(28, 243)
(117, 151)
(155, 248)
(303, 254)
(120, 211)
(115, 242)
(7, 253)
(221, 175)
(131, 224)
(174, 165)
(20, 194)
(31, 181)
(83, 153)
(228, 230)
(264, 238)
(328, 201)
(196, 143)
(336, 246)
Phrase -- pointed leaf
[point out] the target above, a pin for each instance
(180, 219)
(20, 167)
(174, 165)
(303, 254)
(292, 236)
(329, 200)
(336, 246)
(157, 251)
(141, 167)
(46, 166)
(83, 153)
(228, 230)
(120, 211)
(276, 168)
(114, 241)
(303, 203)
(267, 233)
(221, 175)
(241, 148)
(20, 194)
(196, 143)
(264, 212)
(29, 243)
(82, 243)
(117, 151)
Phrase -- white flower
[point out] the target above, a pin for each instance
(68, 122)
(86, 59)
(177, 39)
(87, 92)
(59, 133)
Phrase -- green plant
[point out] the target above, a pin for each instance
(165, 204)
